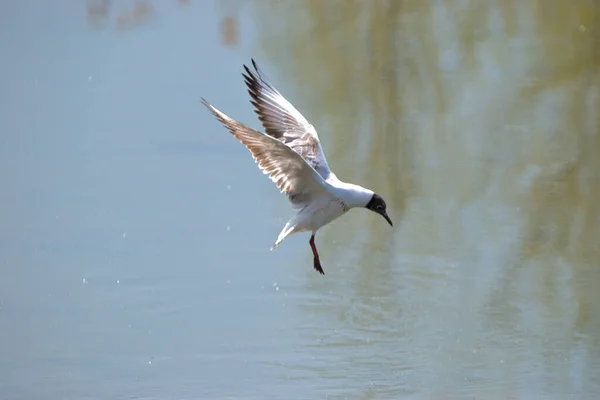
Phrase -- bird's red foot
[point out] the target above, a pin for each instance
(317, 265)
(317, 262)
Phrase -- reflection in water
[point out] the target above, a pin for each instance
(97, 13)
(137, 14)
(229, 21)
(479, 120)
(141, 13)
(133, 14)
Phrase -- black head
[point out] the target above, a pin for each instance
(376, 204)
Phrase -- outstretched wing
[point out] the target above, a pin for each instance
(283, 122)
(290, 172)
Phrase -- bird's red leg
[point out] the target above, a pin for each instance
(317, 262)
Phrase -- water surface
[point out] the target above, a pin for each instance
(135, 233)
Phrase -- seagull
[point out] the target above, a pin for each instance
(291, 154)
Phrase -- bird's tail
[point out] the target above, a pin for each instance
(287, 230)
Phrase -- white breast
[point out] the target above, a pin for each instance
(325, 213)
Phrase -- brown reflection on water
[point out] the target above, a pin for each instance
(479, 122)
(127, 15)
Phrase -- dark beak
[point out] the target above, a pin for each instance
(384, 215)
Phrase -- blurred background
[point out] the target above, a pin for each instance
(135, 233)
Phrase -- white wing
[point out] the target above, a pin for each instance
(290, 172)
(283, 122)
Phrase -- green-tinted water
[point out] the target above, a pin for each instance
(135, 233)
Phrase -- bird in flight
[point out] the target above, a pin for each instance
(291, 154)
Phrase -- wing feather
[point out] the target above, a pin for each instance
(284, 122)
(286, 168)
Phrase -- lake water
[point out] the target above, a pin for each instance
(135, 232)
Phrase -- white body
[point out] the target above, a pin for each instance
(340, 198)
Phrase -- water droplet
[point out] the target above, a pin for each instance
(84, 281)
(124, 234)
(228, 187)
(228, 228)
